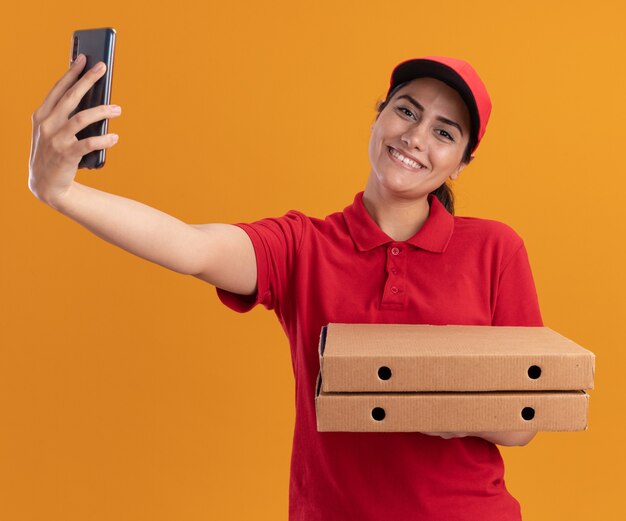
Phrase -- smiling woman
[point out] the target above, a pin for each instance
(397, 254)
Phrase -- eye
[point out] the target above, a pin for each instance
(447, 134)
(404, 111)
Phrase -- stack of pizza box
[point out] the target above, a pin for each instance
(429, 378)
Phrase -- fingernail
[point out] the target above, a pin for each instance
(99, 67)
(79, 59)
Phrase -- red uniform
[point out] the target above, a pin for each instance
(344, 268)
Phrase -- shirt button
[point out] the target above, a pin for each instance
(394, 289)
(395, 250)
(394, 270)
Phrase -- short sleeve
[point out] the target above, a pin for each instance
(516, 301)
(276, 241)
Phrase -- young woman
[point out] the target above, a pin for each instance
(397, 254)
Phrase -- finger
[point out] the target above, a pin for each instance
(445, 435)
(61, 86)
(84, 146)
(71, 98)
(86, 117)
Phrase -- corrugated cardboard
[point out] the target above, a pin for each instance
(452, 412)
(427, 378)
(415, 357)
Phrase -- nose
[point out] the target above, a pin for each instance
(414, 136)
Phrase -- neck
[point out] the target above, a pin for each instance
(399, 218)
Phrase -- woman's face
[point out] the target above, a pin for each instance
(425, 121)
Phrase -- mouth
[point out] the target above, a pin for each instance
(406, 162)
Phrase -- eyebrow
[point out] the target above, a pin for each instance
(440, 118)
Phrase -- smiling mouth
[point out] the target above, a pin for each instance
(407, 163)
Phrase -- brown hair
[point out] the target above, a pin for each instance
(444, 192)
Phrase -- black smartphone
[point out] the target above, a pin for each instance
(97, 45)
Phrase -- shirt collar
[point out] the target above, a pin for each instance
(433, 236)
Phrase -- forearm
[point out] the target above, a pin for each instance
(508, 438)
(134, 226)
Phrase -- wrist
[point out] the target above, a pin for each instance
(57, 199)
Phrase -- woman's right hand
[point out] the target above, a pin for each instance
(55, 151)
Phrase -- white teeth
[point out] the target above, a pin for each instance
(405, 160)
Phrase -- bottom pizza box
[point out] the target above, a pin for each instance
(451, 411)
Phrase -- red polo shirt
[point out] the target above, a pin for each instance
(344, 268)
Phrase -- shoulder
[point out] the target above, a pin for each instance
(279, 232)
(296, 221)
(488, 237)
(318, 225)
(488, 230)
(290, 219)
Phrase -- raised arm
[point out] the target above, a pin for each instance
(221, 254)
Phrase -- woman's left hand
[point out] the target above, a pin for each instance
(509, 439)
(448, 435)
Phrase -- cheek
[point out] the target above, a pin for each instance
(374, 144)
(449, 157)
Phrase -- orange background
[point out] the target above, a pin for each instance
(130, 392)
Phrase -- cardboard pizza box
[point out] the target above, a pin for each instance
(380, 358)
(451, 411)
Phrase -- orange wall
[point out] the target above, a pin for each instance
(129, 392)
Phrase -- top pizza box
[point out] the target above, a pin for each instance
(418, 357)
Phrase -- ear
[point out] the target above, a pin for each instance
(454, 176)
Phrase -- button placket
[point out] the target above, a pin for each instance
(393, 292)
